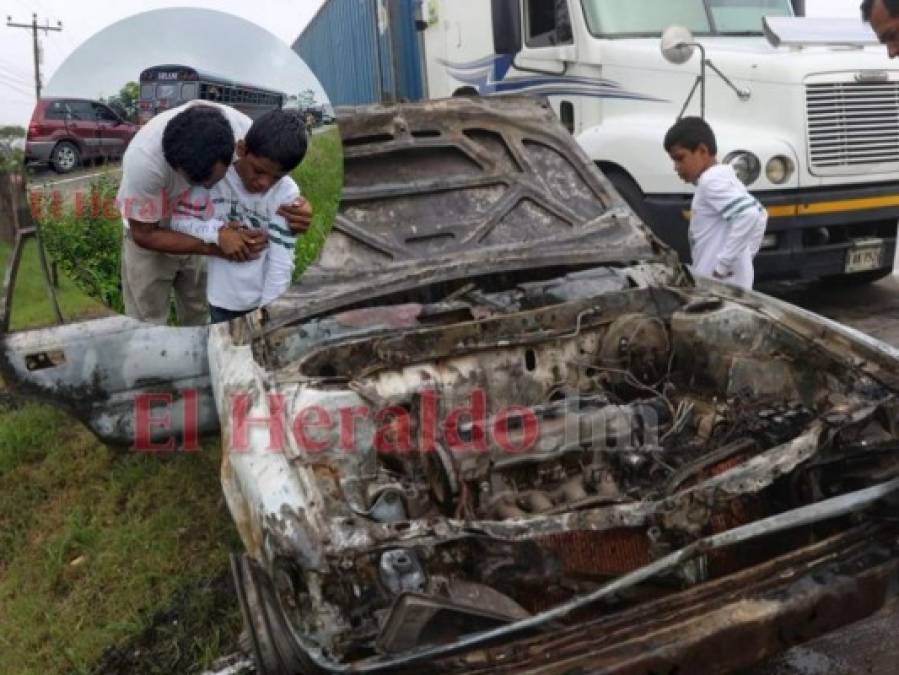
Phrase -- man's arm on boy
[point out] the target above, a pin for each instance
(209, 225)
(142, 199)
(744, 215)
(282, 242)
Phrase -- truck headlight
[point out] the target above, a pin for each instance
(745, 165)
(779, 169)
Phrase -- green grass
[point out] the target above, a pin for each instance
(31, 306)
(320, 178)
(109, 561)
(98, 546)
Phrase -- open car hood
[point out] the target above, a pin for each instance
(460, 187)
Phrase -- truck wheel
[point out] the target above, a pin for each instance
(631, 193)
(65, 157)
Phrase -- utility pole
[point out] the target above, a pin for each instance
(35, 27)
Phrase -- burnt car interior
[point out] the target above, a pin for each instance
(685, 444)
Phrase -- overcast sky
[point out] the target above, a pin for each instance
(221, 44)
(85, 18)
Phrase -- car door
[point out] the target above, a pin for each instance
(114, 133)
(53, 124)
(137, 385)
(81, 123)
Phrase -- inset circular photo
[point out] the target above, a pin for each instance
(186, 182)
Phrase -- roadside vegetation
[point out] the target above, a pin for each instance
(113, 561)
(110, 561)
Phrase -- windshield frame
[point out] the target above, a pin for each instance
(714, 32)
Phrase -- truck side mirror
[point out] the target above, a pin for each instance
(506, 16)
(677, 44)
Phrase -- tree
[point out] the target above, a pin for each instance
(12, 181)
(126, 101)
(12, 154)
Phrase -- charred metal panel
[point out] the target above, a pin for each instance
(717, 627)
(96, 369)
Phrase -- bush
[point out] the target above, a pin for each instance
(85, 242)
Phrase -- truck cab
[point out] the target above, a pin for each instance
(810, 127)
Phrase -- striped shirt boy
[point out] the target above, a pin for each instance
(242, 286)
(726, 228)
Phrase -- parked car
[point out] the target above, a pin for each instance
(64, 132)
(498, 427)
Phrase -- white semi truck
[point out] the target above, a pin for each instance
(808, 113)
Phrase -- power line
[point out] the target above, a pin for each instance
(35, 27)
(15, 86)
(13, 74)
(10, 88)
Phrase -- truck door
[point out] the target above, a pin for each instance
(548, 49)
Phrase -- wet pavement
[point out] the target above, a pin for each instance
(68, 186)
(872, 308)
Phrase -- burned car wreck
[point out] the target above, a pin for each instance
(497, 427)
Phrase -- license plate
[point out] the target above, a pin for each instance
(864, 258)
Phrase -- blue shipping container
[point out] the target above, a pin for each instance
(364, 51)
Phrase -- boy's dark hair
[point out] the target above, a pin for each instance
(867, 7)
(689, 133)
(196, 139)
(278, 135)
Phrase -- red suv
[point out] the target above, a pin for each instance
(66, 131)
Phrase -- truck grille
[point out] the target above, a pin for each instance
(852, 125)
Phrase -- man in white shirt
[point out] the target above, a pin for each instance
(192, 145)
(247, 200)
(727, 224)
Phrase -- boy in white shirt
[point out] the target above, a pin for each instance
(727, 223)
(248, 198)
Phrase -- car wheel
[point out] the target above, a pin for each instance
(267, 633)
(65, 157)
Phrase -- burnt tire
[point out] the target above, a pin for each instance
(267, 633)
(65, 157)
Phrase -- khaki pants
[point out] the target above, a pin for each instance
(149, 277)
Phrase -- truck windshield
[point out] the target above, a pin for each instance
(745, 16)
(651, 17)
